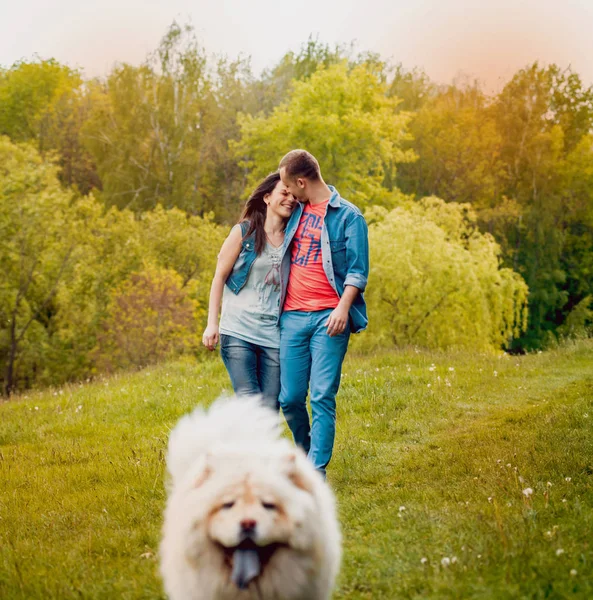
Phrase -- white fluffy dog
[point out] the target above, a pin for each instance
(247, 517)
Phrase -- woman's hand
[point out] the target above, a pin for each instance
(211, 337)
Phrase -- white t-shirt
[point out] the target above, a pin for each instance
(252, 314)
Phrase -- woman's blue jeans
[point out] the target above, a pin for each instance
(253, 369)
(311, 360)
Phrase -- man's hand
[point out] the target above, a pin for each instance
(210, 337)
(336, 323)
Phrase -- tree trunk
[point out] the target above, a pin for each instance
(9, 381)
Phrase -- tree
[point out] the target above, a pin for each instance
(37, 249)
(159, 132)
(45, 103)
(542, 115)
(436, 281)
(459, 147)
(345, 119)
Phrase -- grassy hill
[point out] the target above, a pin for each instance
(457, 476)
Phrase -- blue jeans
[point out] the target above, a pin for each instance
(309, 354)
(253, 369)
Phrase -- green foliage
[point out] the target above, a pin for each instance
(45, 103)
(38, 248)
(436, 281)
(28, 91)
(522, 160)
(413, 87)
(150, 318)
(170, 147)
(62, 259)
(345, 119)
(158, 132)
(459, 149)
(543, 114)
(579, 321)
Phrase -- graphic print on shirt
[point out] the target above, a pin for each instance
(308, 245)
(308, 287)
(271, 281)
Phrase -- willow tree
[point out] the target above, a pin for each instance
(436, 281)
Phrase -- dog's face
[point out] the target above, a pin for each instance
(251, 511)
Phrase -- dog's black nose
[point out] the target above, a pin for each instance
(248, 525)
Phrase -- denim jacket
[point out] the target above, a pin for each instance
(344, 251)
(236, 280)
(242, 267)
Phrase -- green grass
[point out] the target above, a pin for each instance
(433, 453)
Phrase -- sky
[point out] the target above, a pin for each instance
(483, 39)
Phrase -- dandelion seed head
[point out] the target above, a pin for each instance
(568, 479)
(445, 561)
(424, 560)
(559, 552)
(527, 492)
(573, 572)
(402, 508)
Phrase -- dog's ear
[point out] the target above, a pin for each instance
(296, 474)
(204, 472)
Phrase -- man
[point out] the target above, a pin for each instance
(322, 302)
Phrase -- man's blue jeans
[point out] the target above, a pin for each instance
(253, 369)
(309, 354)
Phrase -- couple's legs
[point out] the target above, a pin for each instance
(311, 359)
(252, 369)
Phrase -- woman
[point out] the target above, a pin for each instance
(249, 264)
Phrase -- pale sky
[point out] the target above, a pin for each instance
(486, 39)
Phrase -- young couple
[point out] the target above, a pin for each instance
(290, 276)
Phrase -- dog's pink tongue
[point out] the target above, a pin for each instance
(246, 567)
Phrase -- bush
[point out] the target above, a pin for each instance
(150, 318)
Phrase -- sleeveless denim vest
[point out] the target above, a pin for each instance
(236, 280)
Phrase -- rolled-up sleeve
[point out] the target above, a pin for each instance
(357, 252)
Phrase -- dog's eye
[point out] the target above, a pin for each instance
(269, 505)
(228, 505)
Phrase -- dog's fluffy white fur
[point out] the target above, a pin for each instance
(247, 516)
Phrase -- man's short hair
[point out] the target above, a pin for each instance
(300, 163)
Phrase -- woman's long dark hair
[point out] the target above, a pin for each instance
(255, 210)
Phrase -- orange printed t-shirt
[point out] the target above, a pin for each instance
(308, 288)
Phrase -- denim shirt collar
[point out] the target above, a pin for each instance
(334, 199)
